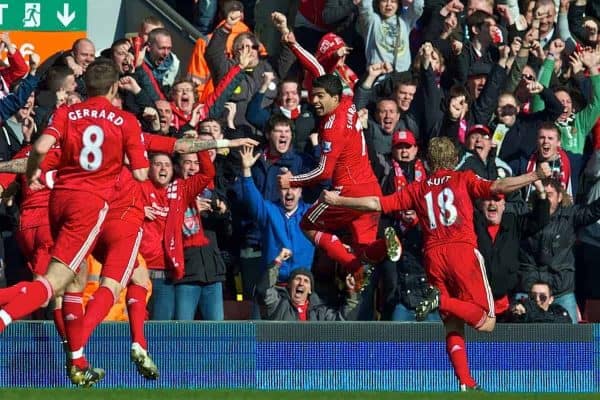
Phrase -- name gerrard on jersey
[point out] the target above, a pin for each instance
(86, 113)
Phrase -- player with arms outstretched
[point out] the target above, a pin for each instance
(454, 266)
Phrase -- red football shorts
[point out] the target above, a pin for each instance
(458, 271)
(362, 225)
(35, 244)
(117, 249)
(75, 222)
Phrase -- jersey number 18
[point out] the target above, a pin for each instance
(445, 201)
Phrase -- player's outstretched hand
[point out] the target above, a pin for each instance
(34, 181)
(329, 197)
(543, 170)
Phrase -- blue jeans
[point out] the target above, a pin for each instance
(162, 301)
(209, 298)
(569, 303)
(207, 10)
(403, 314)
(179, 302)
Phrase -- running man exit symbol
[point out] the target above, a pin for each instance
(32, 15)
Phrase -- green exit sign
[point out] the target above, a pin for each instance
(43, 15)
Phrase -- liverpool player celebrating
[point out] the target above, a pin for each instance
(444, 204)
(344, 160)
(93, 136)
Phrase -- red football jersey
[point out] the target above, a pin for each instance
(444, 205)
(39, 198)
(344, 156)
(94, 136)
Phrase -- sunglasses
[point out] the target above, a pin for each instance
(542, 296)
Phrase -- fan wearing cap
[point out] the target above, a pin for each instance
(298, 301)
(480, 157)
(499, 234)
(404, 282)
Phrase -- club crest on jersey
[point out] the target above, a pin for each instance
(326, 147)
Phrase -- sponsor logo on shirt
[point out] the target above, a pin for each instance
(326, 147)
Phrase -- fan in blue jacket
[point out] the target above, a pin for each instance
(279, 221)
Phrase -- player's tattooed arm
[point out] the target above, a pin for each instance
(17, 166)
(189, 145)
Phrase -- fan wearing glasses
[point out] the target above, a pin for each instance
(539, 307)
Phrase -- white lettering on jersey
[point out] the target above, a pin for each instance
(438, 181)
(87, 113)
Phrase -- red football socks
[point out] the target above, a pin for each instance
(334, 248)
(471, 313)
(457, 352)
(59, 323)
(96, 310)
(73, 316)
(6, 294)
(136, 308)
(31, 296)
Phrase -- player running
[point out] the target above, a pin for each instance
(454, 266)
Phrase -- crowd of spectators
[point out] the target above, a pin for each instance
(512, 83)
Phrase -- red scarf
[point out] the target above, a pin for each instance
(153, 81)
(179, 199)
(400, 179)
(400, 182)
(302, 311)
(564, 173)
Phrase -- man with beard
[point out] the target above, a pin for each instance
(298, 302)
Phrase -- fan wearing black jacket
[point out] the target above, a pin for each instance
(498, 238)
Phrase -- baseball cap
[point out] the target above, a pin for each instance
(478, 128)
(403, 136)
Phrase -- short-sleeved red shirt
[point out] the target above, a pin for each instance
(444, 204)
(94, 137)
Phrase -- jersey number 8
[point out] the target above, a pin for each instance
(90, 158)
